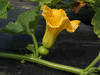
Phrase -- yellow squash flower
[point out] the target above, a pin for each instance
(56, 21)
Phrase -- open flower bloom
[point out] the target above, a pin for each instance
(56, 21)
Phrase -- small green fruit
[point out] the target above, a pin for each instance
(43, 50)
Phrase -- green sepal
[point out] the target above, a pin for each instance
(5, 6)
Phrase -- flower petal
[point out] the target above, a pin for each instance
(74, 25)
(47, 12)
(53, 16)
(56, 21)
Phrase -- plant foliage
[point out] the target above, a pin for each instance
(96, 5)
(26, 23)
(5, 6)
(96, 23)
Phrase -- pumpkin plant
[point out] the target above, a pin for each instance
(56, 21)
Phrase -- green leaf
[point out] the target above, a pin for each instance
(35, 22)
(96, 23)
(29, 19)
(97, 30)
(5, 6)
(30, 47)
(37, 9)
(48, 2)
(12, 28)
(26, 19)
(26, 23)
(96, 5)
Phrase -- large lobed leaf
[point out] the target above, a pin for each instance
(26, 23)
(96, 23)
(12, 28)
(5, 6)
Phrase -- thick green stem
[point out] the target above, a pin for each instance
(36, 45)
(43, 62)
(92, 64)
(90, 1)
(34, 1)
